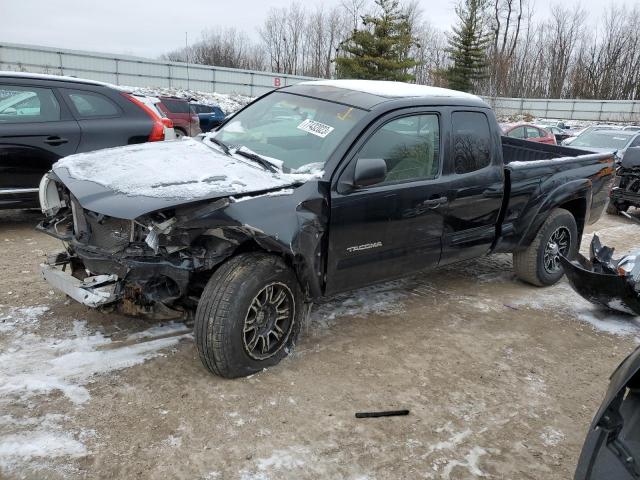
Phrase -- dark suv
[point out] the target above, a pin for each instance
(46, 117)
(185, 119)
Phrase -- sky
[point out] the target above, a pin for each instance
(148, 29)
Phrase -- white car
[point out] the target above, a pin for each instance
(152, 103)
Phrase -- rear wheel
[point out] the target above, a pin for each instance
(539, 264)
(249, 315)
(615, 208)
(180, 133)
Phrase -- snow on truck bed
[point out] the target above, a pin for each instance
(182, 169)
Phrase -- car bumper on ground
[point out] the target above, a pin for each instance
(92, 291)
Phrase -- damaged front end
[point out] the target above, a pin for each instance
(604, 281)
(157, 264)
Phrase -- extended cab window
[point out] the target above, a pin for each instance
(89, 104)
(409, 146)
(28, 104)
(471, 141)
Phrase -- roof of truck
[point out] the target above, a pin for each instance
(367, 93)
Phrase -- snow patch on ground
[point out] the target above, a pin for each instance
(384, 299)
(32, 365)
(275, 465)
(442, 466)
(562, 299)
(551, 437)
(20, 317)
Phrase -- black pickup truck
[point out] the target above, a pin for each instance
(311, 190)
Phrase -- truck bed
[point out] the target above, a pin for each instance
(541, 177)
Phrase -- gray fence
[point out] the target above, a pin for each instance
(591, 110)
(139, 72)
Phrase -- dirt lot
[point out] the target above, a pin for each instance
(501, 378)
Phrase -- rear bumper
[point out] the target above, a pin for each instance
(92, 291)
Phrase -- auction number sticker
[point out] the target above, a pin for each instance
(316, 128)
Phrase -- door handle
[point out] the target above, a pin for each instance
(435, 202)
(55, 140)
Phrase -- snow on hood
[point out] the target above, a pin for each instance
(126, 182)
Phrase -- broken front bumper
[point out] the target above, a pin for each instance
(92, 291)
(605, 281)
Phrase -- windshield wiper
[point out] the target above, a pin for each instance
(221, 144)
(258, 159)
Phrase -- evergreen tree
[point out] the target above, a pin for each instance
(467, 46)
(381, 50)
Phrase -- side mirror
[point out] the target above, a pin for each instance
(369, 171)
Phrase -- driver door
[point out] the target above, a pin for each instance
(394, 227)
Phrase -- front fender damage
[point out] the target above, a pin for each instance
(171, 254)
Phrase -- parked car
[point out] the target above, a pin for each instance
(555, 123)
(185, 120)
(599, 140)
(46, 117)
(360, 182)
(634, 128)
(611, 449)
(527, 131)
(626, 186)
(154, 104)
(210, 116)
(576, 134)
(557, 132)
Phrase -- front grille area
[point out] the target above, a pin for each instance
(106, 233)
(111, 234)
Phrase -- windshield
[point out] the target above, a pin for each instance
(298, 131)
(603, 139)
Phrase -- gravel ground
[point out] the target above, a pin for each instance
(501, 378)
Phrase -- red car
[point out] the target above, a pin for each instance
(185, 120)
(526, 131)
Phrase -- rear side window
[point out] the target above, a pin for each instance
(89, 104)
(409, 146)
(204, 109)
(28, 104)
(176, 106)
(471, 141)
(534, 133)
(516, 133)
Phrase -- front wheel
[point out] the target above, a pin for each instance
(249, 315)
(539, 264)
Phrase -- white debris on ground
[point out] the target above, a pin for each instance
(32, 365)
(229, 103)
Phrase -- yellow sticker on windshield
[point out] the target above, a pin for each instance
(345, 115)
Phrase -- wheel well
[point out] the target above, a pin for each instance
(578, 209)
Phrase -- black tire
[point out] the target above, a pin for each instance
(180, 133)
(612, 209)
(223, 344)
(530, 266)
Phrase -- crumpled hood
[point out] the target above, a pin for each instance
(126, 182)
